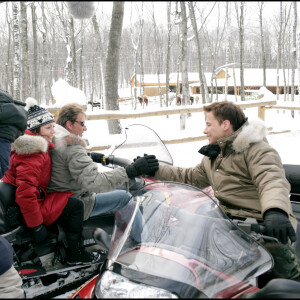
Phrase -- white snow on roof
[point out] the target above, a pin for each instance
(254, 77)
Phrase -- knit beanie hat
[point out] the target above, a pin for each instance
(37, 115)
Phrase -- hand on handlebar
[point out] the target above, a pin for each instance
(142, 166)
(278, 225)
(152, 173)
(99, 158)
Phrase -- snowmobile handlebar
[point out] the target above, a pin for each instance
(119, 161)
(251, 227)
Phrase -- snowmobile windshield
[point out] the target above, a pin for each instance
(176, 231)
(141, 140)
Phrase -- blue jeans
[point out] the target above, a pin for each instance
(110, 202)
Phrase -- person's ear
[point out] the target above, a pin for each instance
(226, 125)
(69, 125)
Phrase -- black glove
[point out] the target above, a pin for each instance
(142, 165)
(152, 173)
(39, 233)
(278, 225)
(98, 158)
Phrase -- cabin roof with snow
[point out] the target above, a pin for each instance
(254, 77)
(152, 79)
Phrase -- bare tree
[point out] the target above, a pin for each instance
(73, 52)
(36, 92)
(168, 52)
(8, 74)
(199, 53)
(24, 51)
(100, 50)
(240, 21)
(136, 45)
(279, 51)
(294, 53)
(185, 80)
(112, 65)
(46, 69)
(16, 31)
(142, 82)
(157, 56)
(261, 6)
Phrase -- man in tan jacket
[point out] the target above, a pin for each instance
(247, 177)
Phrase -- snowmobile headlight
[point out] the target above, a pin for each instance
(112, 285)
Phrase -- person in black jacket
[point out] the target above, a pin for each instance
(13, 122)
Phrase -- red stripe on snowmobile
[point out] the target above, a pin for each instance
(27, 271)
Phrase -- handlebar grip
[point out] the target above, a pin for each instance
(258, 228)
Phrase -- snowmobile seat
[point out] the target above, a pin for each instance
(277, 289)
(10, 214)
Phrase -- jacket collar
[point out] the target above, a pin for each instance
(63, 137)
(251, 132)
(30, 143)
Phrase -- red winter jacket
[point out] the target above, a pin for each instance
(30, 171)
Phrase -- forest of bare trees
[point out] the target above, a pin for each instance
(41, 42)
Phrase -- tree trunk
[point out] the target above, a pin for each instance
(73, 53)
(112, 65)
(199, 52)
(100, 51)
(16, 93)
(279, 52)
(241, 39)
(168, 53)
(294, 57)
(142, 82)
(185, 81)
(35, 54)
(46, 64)
(262, 39)
(25, 86)
(157, 56)
(8, 73)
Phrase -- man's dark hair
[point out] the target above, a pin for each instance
(227, 111)
(69, 112)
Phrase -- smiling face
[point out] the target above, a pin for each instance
(76, 126)
(47, 131)
(214, 130)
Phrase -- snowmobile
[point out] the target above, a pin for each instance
(185, 246)
(42, 266)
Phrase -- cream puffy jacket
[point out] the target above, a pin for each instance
(74, 171)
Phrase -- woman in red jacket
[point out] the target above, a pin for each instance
(30, 172)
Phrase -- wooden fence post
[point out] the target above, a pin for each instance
(261, 112)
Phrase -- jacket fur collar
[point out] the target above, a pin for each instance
(63, 138)
(251, 132)
(29, 144)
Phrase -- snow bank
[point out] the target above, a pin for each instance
(266, 94)
(63, 94)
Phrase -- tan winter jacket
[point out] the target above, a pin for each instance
(73, 170)
(247, 177)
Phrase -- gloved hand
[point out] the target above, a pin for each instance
(98, 158)
(278, 225)
(39, 233)
(142, 165)
(152, 173)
